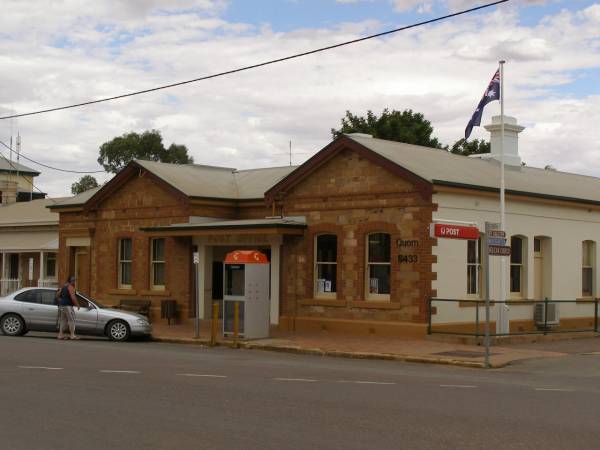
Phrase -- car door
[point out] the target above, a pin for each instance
(86, 317)
(38, 316)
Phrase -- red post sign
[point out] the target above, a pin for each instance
(443, 230)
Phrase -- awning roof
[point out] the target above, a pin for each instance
(26, 241)
(272, 225)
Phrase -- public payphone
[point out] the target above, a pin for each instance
(246, 280)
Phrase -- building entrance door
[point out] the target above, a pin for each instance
(82, 270)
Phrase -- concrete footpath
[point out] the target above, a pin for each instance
(424, 350)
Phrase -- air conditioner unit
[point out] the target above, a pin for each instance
(539, 314)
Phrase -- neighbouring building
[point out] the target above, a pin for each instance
(346, 233)
(28, 245)
(17, 183)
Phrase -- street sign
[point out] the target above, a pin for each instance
(496, 241)
(498, 250)
(496, 233)
(444, 230)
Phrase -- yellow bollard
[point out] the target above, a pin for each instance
(236, 323)
(215, 324)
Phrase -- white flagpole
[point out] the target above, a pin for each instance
(502, 325)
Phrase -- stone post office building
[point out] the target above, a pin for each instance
(346, 233)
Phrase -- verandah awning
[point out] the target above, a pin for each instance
(28, 241)
(276, 225)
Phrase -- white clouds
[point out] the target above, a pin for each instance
(246, 120)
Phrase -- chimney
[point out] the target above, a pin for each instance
(511, 140)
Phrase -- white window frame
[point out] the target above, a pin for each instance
(153, 262)
(122, 261)
(317, 294)
(518, 294)
(368, 294)
(478, 268)
(50, 256)
(588, 247)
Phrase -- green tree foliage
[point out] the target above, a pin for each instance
(118, 152)
(406, 126)
(85, 183)
(474, 147)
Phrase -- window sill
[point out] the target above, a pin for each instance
(122, 291)
(322, 302)
(374, 304)
(156, 292)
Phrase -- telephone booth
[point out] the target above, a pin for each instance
(246, 280)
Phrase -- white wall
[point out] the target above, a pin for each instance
(566, 226)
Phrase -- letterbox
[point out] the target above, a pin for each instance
(246, 280)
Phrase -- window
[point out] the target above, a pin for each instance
(50, 265)
(378, 266)
(326, 265)
(47, 297)
(27, 296)
(157, 271)
(587, 268)
(125, 255)
(516, 266)
(474, 267)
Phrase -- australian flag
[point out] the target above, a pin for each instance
(491, 93)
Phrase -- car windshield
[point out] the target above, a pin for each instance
(95, 302)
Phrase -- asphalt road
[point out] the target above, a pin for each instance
(96, 394)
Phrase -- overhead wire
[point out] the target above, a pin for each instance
(262, 64)
(51, 167)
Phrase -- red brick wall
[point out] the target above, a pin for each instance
(351, 197)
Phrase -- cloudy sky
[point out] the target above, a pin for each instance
(55, 53)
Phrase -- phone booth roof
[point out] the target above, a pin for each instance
(246, 257)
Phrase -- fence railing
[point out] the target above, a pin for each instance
(9, 285)
(542, 321)
(47, 283)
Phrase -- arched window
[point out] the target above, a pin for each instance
(378, 266)
(588, 249)
(326, 265)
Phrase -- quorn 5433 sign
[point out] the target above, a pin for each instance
(444, 230)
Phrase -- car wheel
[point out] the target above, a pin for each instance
(12, 325)
(118, 330)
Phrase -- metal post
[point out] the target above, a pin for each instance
(596, 315)
(236, 322)
(215, 321)
(487, 297)
(430, 312)
(501, 313)
(477, 319)
(197, 300)
(546, 316)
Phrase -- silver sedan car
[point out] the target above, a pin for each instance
(35, 309)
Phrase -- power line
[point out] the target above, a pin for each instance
(254, 66)
(26, 179)
(53, 168)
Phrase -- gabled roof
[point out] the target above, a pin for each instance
(8, 167)
(193, 181)
(440, 167)
(444, 168)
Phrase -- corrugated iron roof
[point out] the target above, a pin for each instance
(23, 241)
(6, 166)
(443, 167)
(35, 212)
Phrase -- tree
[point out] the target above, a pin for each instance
(85, 183)
(406, 126)
(118, 152)
(474, 147)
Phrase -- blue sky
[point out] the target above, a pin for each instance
(76, 50)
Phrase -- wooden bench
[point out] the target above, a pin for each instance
(138, 306)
